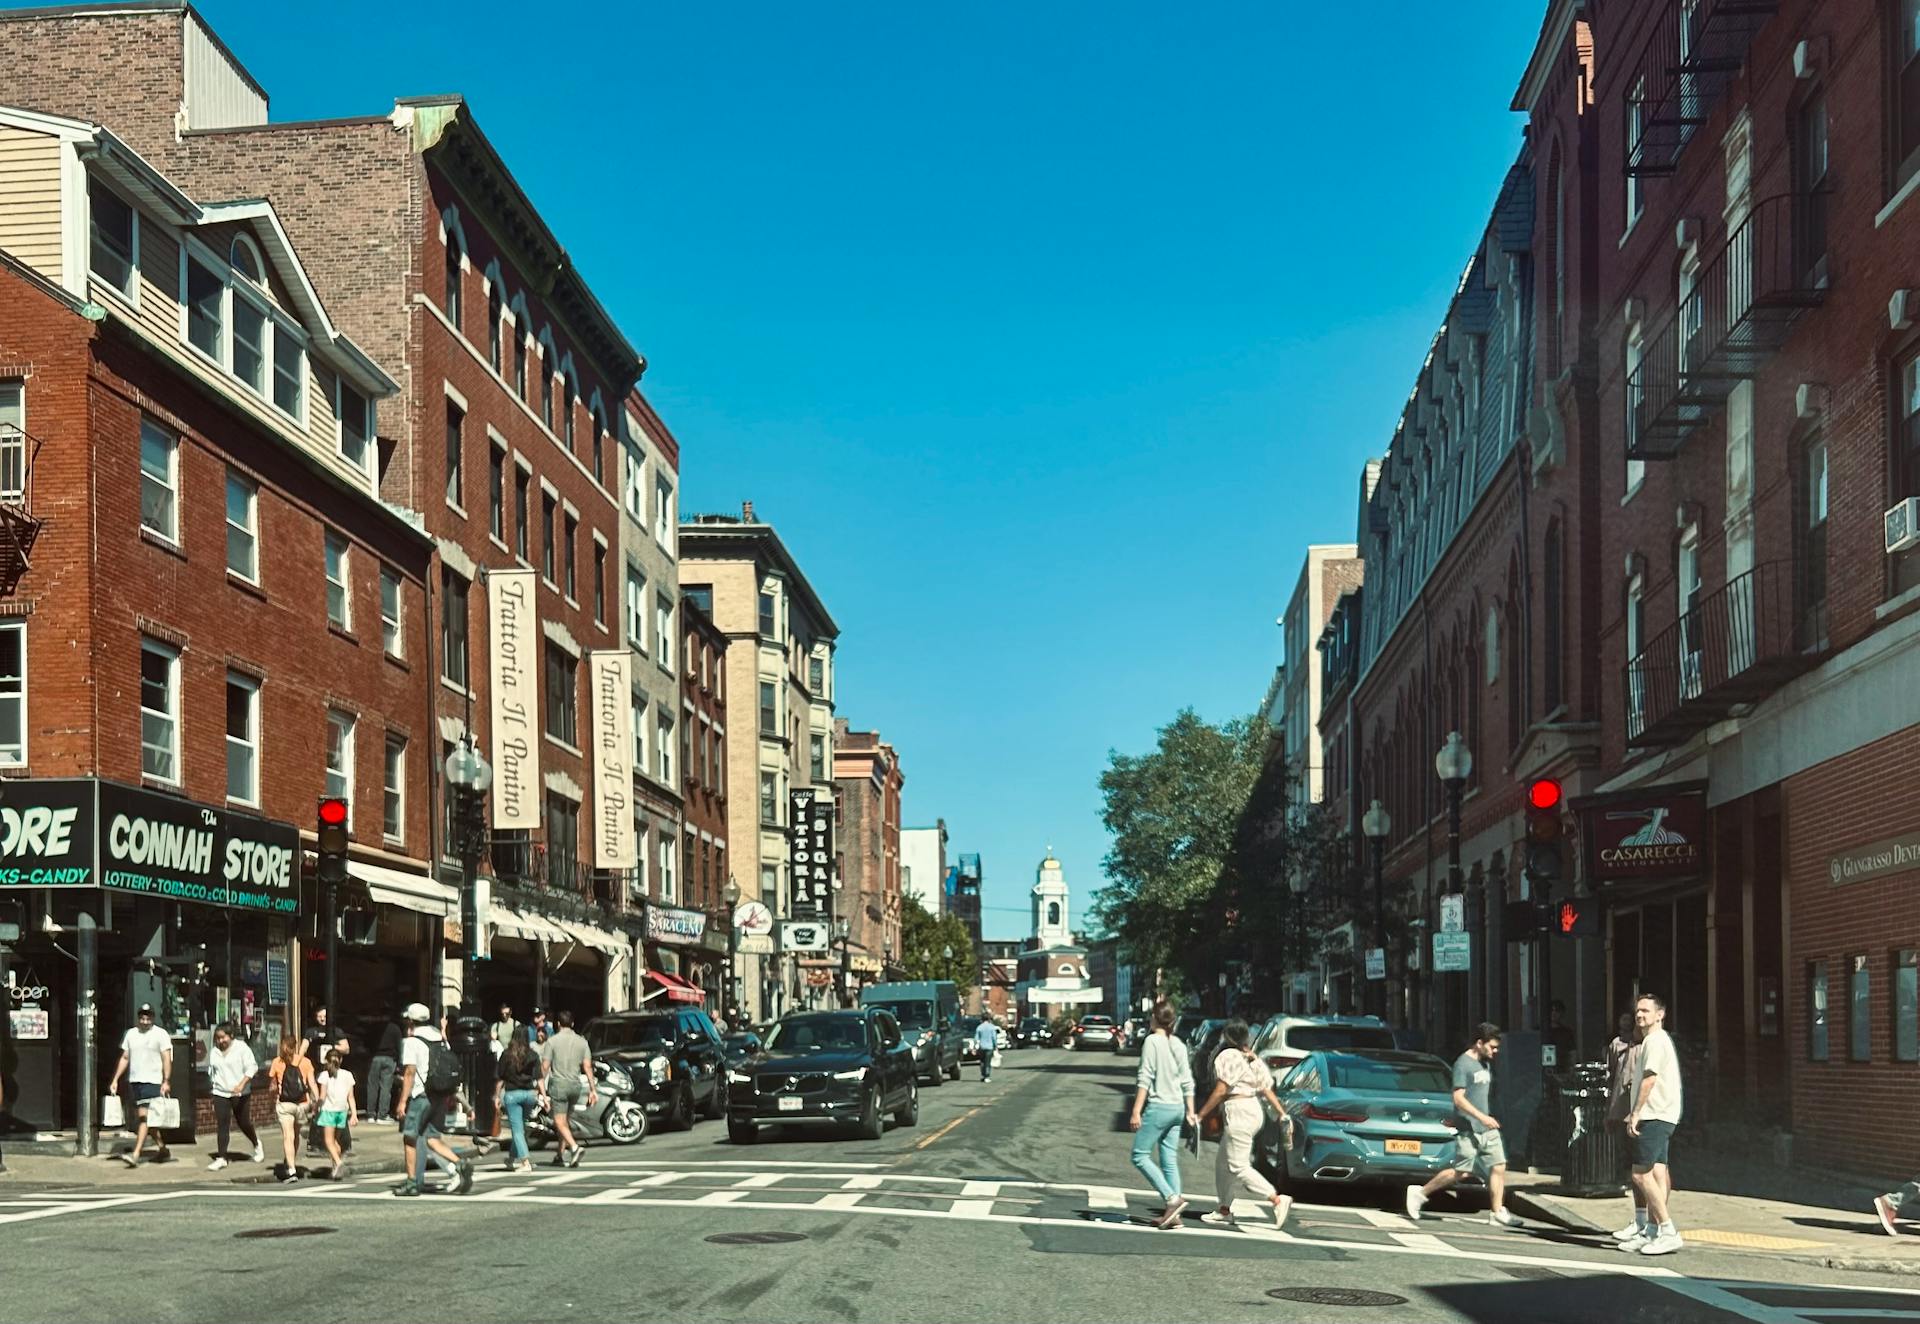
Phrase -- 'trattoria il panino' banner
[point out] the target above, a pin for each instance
(610, 671)
(810, 835)
(513, 632)
(81, 832)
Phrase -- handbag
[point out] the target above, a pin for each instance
(113, 1115)
(163, 1113)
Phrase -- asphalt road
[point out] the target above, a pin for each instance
(1013, 1200)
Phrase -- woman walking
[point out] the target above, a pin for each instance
(1162, 1100)
(1241, 1081)
(515, 1092)
(294, 1088)
(230, 1071)
(336, 1109)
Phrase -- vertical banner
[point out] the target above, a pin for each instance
(610, 671)
(810, 835)
(514, 638)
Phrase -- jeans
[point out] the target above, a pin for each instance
(421, 1124)
(986, 1064)
(1906, 1200)
(380, 1080)
(518, 1103)
(226, 1112)
(1160, 1130)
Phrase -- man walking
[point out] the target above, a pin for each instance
(564, 1061)
(1622, 1081)
(985, 1038)
(502, 1032)
(1656, 1111)
(1480, 1146)
(424, 1096)
(146, 1059)
(381, 1072)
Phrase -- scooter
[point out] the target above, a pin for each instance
(615, 1115)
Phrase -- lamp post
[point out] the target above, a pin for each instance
(1454, 764)
(731, 989)
(469, 776)
(1375, 825)
(843, 934)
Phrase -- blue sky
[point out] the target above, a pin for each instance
(1048, 336)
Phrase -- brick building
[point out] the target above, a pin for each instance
(867, 780)
(708, 868)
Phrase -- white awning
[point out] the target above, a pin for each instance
(1065, 997)
(517, 924)
(598, 939)
(408, 891)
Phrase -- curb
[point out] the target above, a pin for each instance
(1857, 1264)
(1547, 1211)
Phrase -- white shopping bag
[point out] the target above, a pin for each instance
(996, 1057)
(112, 1115)
(163, 1113)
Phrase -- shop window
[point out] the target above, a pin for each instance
(1816, 1011)
(1859, 1011)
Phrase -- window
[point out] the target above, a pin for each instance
(13, 693)
(571, 530)
(1636, 675)
(250, 344)
(1687, 588)
(1906, 459)
(289, 373)
(449, 814)
(566, 412)
(686, 748)
(599, 584)
(243, 738)
(546, 395)
(13, 441)
(546, 536)
(1554, 575)
(159, 480)
(453, 627)
(206, 301)
(561, 700)
(519, 363)
(817, 676)
(766, 604)
(159, 711)
(817, 756)
(1906, 93)
(1816, 1011)
(1636, 406)
(113, 237)
(453, 281)
(636, 609)
(522, 480)
(563, 842)
(770, 885)
(667, 892)
(393, 789)
(663, 632)
(339, 780)
(1811, 585)
(1859, 1010)
(456, 419)
(636, 488)
(769, 719)
(494, 314)
(1810, 188)
(640, 731)
(663, 514)
(1906, 1005)
(243, 535)
(339, 585)
(497, 492)
(1636, 124)
(356, 426)
(392, 634)
(663, 746)
(599, 449)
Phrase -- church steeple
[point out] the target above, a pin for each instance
(1052, 916)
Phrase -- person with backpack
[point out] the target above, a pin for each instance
(294, 1091)
(429, 1078)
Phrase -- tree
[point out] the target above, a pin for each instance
(925, 940)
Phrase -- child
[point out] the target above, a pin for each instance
(336, 1108)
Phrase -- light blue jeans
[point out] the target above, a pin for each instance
(1160, 1127)
(518, 1103)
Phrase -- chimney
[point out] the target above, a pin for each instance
(746, 512)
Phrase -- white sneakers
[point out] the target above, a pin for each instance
(1630, 1231)
(219, 1162)
(259, 1153)
(1281, 1208)
(1501, 1218)
(1663, 1243)
(1416, 1201)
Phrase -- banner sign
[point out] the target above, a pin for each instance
(514, 651)
(1857, 865)
(810, 832)
(610, 672)
(672, 924)
(1655, 832)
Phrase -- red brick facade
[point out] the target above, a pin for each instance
(703, 689)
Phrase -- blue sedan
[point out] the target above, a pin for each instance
(1363, 1115)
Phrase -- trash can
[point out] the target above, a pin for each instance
(1595, 1162)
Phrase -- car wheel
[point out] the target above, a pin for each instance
(626, 1126)
(717, 1101)
(953, 1072)
(680, 1116)
(742, 1133)
(938, 1076)
(910, 1114)
(872, 1124)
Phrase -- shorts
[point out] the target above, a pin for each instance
(565, 1093)
(1479, 1154)
(422, 1121)
(1650, 1146)
(144, 1092)
(290, 1112)
(334, 1117)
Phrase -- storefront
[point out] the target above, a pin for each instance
(678, 961)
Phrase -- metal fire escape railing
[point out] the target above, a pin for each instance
(1695, 48)
(1744, 302)
(19, 527)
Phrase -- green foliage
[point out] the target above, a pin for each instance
(925, 939)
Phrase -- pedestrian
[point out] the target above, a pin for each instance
(1162, 1100)
(231, 1068)
(566, 1071)
(502, 1032)
(1655, 1114)
(320, 1036)
(515, 1094)
(1479, 1146)
(425, 1066)
(1621, 1080)
(336, 1108)
(294, 1091)
(1560, 1035)
(382, 1072)
(540, 1031)
(146, 1060)
(1241, 1080)
(986, 1039)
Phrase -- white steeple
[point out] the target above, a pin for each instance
(1051, 917)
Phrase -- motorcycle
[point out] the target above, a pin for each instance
(615, 1114)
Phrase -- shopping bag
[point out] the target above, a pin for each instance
(112, 1115)
(996, 1057)
(163, 1113)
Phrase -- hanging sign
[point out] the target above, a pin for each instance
(514, 639)
(810, 836)
(610, 671)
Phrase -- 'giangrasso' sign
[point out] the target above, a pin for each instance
(1894, 855)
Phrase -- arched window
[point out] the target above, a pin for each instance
(244, 256)
(1553, 622)
(566, 411)
(495, 312)
(453, 280)
(1053, 914)
(546, 394)
(599, 447)
(1491, 643)
(519, 360)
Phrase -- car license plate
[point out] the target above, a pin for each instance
(789, 1104)
(1403, 1146)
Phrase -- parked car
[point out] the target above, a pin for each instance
(1202, 1052)
(1363, 1115)
(1096, 1031)
(675, 1056)
(1285, 1040)
(1031, 1032)
(826, 1067)
(1190, 1028)
(1000, 1037)
(927, 1012)
(739, 1046)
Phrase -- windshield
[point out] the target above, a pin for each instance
(1033, 1023)
(911, 1015)
(1359, 1073)
(1313, 1038)
(818, 1034)
(1098, 1020)
(640, 1032)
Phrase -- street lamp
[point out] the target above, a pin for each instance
(469, 776)
(731, 989)
(1454, 764)
(1375, 825)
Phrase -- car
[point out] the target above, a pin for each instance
(826, 1068)
(969, 1046)
(1190, 1027)
(1362, 1116)
(739, 1046)
(1031, 1032)
(1096, 1031)
(928, 1013)
(675, 1056)
(1285, 1040)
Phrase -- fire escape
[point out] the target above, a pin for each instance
(19, 528)
(1695, 48)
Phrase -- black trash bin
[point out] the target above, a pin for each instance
(1595, 1162)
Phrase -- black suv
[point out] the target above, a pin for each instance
(675, 1057)
(826, 1067)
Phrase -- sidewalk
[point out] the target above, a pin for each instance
(376, 1149)
(1829, 1223)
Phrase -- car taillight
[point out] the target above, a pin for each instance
(1315, 1113)
(1279, 1062)
(1079, 1029)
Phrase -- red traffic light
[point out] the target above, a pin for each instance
(333, 812)
(1569, 916)
(1543, 793)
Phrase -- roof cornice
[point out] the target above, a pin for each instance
(1554, 31)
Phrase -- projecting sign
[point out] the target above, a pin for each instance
(610, 671)
(1452, 951)
(804, 935)
(810, 834)
(1654, 832)
(514, 640)
(1376, 963)
(1453, 913)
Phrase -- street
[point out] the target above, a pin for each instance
(1009, 1200)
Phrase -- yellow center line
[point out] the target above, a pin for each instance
(922, 1144)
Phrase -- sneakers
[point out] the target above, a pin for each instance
(463, 1177)
(573, 1156)
(1170, 1216)
(1416, 1201)
(1501, 1218)
(1630, 1231)
(292, 1176)
(524, 1165)
(131, 1160)
(339, 1170)
(1220, 1218)
(1664, 1243)
(1281, 1208)
(259, 1153)
(219, 1162)
(407, 1188)
(1885, 1208)
(1636, 1243)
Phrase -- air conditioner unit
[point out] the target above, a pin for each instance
(1903, 526)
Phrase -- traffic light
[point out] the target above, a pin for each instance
(1576, 919)
(331, 847)
(1543, 831)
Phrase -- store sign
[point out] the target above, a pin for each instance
(610, 672)
(804, 935)
(671, 924)
(753, 917)
(514, 640)
(1881, 858)
(46, 834)
(810, 833)
(1656, 833)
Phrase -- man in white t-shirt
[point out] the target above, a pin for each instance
(420, 1112)
(1655, 1112)
(146, 1060)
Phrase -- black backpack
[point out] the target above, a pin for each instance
(293, 1085)
(443, 1068)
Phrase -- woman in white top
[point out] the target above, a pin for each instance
(336, 1108)
(230, 1070)
(1162, 1099)
(1241, 1080)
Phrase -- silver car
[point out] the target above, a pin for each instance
(1096, 1032)
(1363, 1115)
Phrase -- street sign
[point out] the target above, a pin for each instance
(1376, 963)
(1452, 951)
(1453, 913)
(805, 935)
(752, 917)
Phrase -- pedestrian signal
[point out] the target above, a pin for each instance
(1576, 919)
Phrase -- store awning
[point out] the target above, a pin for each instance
(533, 928)
(408, 891)
(598, 939)
(676, 988)
(1065, 997)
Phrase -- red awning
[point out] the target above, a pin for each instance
(676, 988)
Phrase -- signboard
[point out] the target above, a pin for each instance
(514, 650)
(1453, 913)
(810, 833)
(610, 672)
(1452, 951)
(753, 917)
(27, 1023)
(1878, 860)
(1376, 963)
(276, 982)
(46, 834)
(673, 925)
(1656, 832)
(756, 944)
(805, 935)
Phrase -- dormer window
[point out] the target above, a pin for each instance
(244, 257)
(113, 237)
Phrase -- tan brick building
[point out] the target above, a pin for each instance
(867, 780)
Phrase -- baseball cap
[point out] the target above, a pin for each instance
(416, 1013)
(146, 1009)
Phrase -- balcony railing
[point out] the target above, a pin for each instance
(1743, 305)
(1739, 645)
(1691, 54)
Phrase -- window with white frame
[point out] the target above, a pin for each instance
(636, 489)
(456, 456)
(13, 693)
(205, 297)
(356, 427)
(243, 738)
(13, 441)
(668, 893)
(663, 513)
(243, 535)
(1636, 405)
(392, 631)
(636, 609)
(1636, 623)
(663, 632)
(393, 791)
(339, 780)
(640, 730)
(339, 586)
(114, 235)
(159, 711)
(159, 480)
(250, 344)
(1636, 122)
(663, 746)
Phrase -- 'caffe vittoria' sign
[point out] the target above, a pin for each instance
(810, 832)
